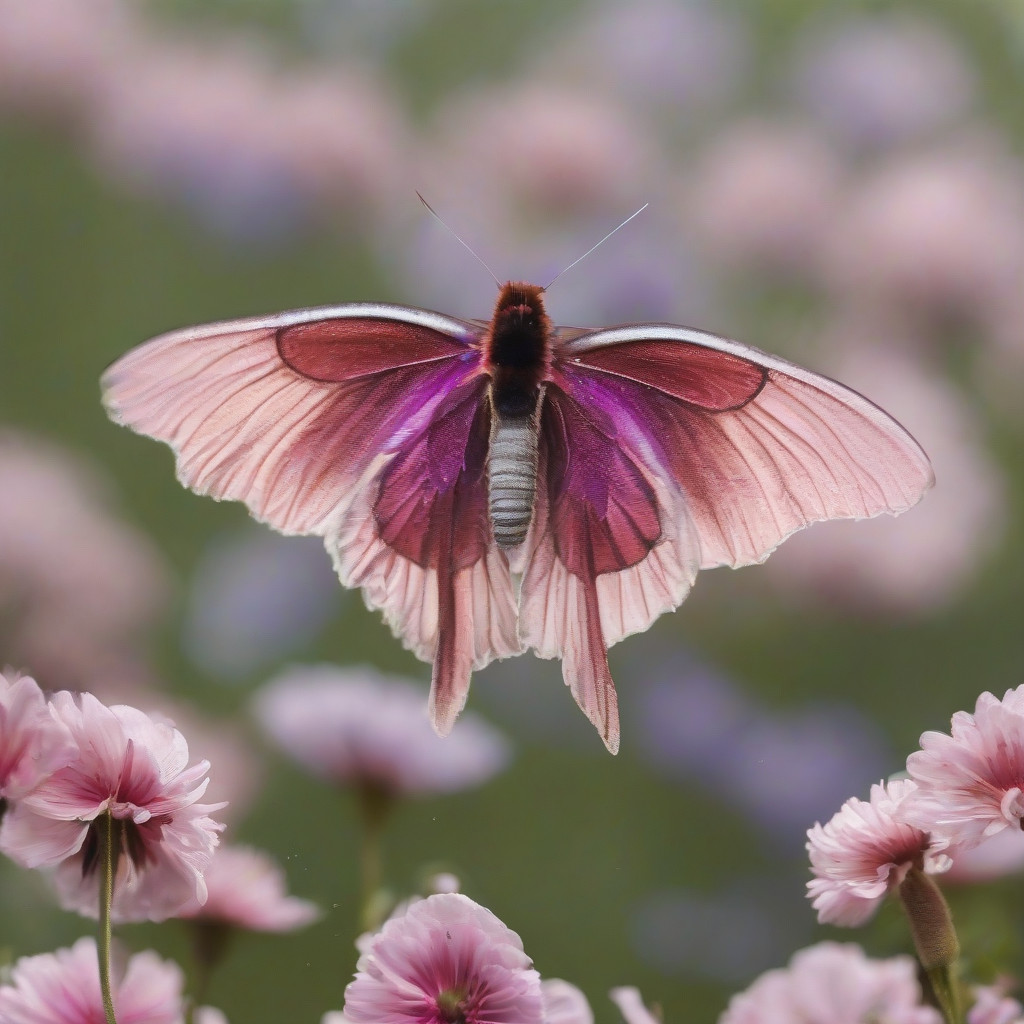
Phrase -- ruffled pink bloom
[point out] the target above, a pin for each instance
(564, 1003)
(863, 853)
(64, 988)
(135, 769)
(832, 983)
(246, 889)
(993, 1006)
(970, 785)
(355, 727)
(446, 958)
(33, 743)
(631, 1006)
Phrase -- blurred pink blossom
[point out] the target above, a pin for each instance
(765, 195)
(995, 857)
(246, 889)
(970, 784)
(834, 984)
(993, 1006)
(33, 741)
(922, 561)
(863, 853)
(941, 232)
(538, 152)
(135, 769)
(882, 80)
(255, 597)
(54, 53)
(356, 727)
(564, 1003)
(64, 988)
(79, 588)
(446, 958)
(631, 1006)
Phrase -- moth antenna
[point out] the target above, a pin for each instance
(460, 240)
(593, 247)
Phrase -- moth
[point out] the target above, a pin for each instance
(507, 485)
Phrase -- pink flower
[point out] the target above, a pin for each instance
(64, 988)
(995, 857)
(970, 785)
(446, 958)
(631, 1006)
(862, 853)
(246, 889)
(33, 743)
(833, 984)
(357, 727)
(135, 769)
(993, 1006)
(564, 1003)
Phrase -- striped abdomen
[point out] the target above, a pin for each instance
(512, 476)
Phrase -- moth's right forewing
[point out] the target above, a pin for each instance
(286, 412)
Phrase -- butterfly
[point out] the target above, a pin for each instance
(507, 485)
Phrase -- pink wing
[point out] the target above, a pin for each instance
(357, 423)
(665, 451)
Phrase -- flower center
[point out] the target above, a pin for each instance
(131, 840)
(450, 1005)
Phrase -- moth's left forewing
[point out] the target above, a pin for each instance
(759, 447)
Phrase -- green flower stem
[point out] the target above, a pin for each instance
(374, 808)
(108, 869)
(935, 939)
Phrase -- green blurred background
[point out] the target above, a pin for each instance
(678, 865)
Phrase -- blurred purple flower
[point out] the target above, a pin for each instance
(882, 80)
(255, 597)
(679, 57)
(834, 984)
(77, 612)
(699, 726)
(764, 196)
(992, 1005)
(356, 727)
(923, 561)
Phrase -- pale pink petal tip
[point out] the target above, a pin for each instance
(833, 982)
(864, 852)
(631, 1005)
(63, 987)
(444, 958)
(356, 726)
(246, 889)
(136, 769)
(970, 784)
(564, 1003)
